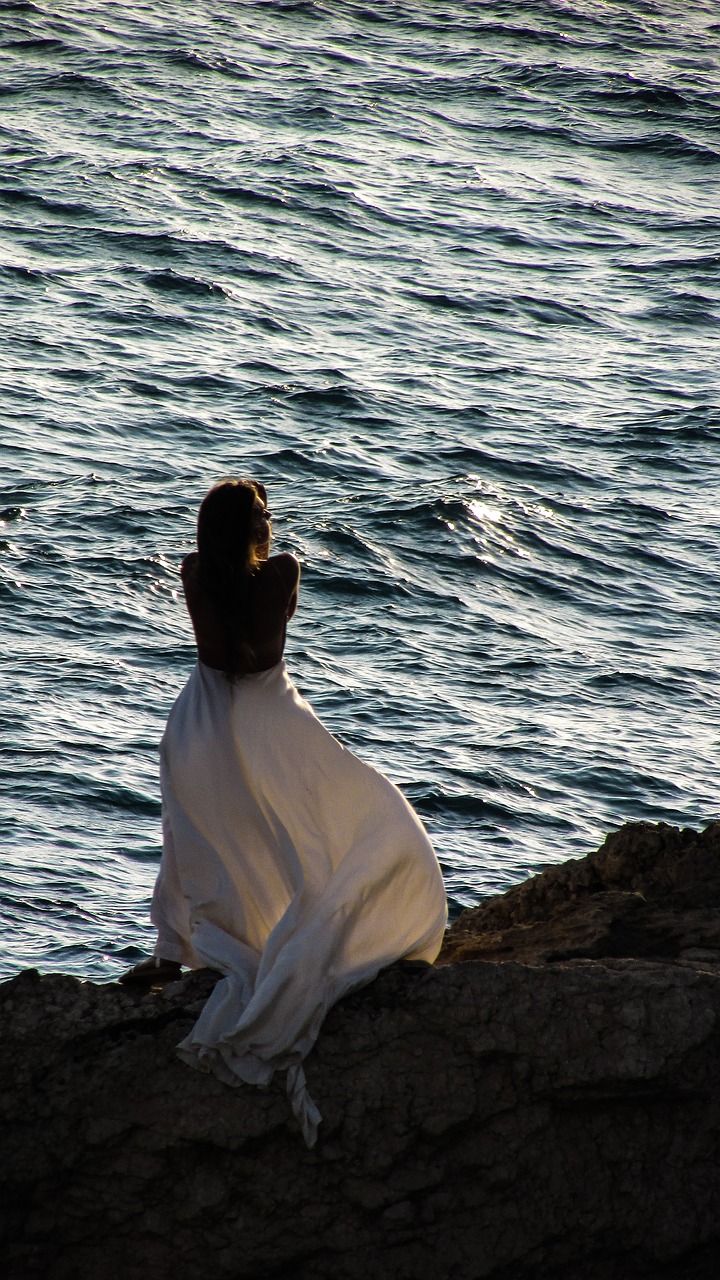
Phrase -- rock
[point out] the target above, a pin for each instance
(551, 1120)
(649, 891)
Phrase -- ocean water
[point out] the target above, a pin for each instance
(446, 277)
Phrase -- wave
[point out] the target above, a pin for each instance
(632, 93)
(47, 204)
(34, 44)
(175, 282)
(47, 785)
(217, 63)
(694, 266)
(26, 275)
(671, 144)
(685, 309)
(65, 84)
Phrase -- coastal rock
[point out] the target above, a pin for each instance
(650, 891)
(555, 1119)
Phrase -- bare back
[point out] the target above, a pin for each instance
(271, 601)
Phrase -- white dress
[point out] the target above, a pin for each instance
(289, 865)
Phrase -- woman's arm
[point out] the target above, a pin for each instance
(287, 568)
(189, 577)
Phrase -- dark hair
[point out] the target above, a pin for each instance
(227, 546)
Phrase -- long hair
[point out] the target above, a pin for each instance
(227, 548)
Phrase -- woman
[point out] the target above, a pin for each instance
(288, 865)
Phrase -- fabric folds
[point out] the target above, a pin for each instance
(290, 866)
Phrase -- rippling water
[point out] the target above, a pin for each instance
(445, 275)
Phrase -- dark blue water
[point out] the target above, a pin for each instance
(445, 277)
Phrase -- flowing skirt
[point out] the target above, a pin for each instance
(290, 866)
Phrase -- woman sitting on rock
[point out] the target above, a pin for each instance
(289, 865)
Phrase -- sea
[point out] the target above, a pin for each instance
(445, 276)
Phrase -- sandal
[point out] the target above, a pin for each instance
(151, 971)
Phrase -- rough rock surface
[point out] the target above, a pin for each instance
(557, 1119)
(651, 891)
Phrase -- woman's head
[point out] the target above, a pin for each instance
(233, 529)
(233, 537)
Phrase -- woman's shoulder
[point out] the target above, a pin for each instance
(190, 578)
(286, 565)
(189, 565)
(278, 580)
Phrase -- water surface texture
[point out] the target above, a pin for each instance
(445, 276)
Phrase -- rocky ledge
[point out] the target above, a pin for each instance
(543, 1104)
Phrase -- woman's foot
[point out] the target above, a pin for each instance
(151, 971)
